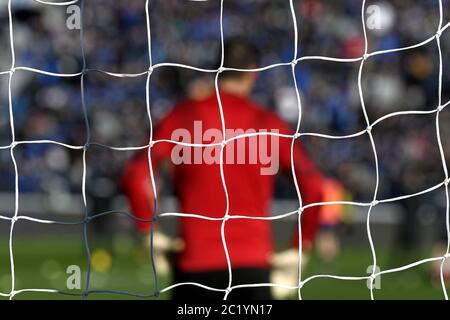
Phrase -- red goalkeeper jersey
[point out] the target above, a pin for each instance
(198, 184)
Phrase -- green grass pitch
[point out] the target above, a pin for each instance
(41, 262)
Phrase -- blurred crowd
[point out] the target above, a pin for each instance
(188, 32)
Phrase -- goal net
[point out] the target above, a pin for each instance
(296, 57)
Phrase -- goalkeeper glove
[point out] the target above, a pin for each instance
(163, 247)
(285, 271)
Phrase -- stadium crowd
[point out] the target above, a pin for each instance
(188, 32)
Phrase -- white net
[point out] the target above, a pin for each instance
(370, 126)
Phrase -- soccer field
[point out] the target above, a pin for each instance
(42, 263)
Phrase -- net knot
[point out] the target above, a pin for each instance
(300, 210)
(365, 56)
(223, 143)
(374, 203)
(86, 146)
(297, 135)
(226, 217)
(369, 129)
(14, 219)
(447, 256)
(447, 181)
(150, 69)
(13, 144)
(228, 290)
(294, 62)
(372, 278)
(220, 70)
(151, 144)
(438, 33)
(440, 108)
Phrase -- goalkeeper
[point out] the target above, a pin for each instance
(200, 255)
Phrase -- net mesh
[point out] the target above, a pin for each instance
(370, 126)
